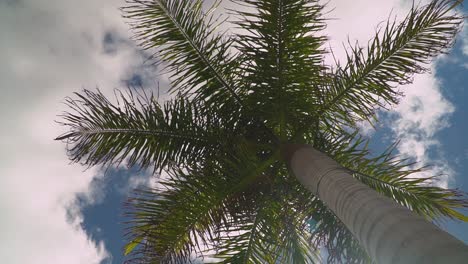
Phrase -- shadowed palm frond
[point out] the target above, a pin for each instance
(340, 244)
(249, 238)
(293, 245)
(171, 223)
(186, 214)
(272, 234)
(324, 229)
(283, 60)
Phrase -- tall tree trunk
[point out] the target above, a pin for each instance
(389, 232)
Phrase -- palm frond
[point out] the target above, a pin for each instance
(368, 81)
(276, 231)
(283, 59)
(137, 129)
(169, 224)
(188, 43)
(248, 239)
(328, 231)
(293, 244)
(395, 177)
(270, 235)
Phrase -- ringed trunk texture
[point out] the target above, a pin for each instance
(389, 232)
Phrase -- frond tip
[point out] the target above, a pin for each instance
(187, 42)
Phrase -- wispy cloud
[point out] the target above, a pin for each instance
(423, 112)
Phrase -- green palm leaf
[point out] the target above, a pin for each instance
(250, 240)
(187, 42)
(331, 233)
(271, 234)
(140, 131)
(282, 60)
(191, 207)
(368, 80)
(391, 175)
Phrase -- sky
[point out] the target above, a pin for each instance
(57, 212)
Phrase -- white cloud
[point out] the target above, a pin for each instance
(49, 49)
(423, 112)
(357, 21)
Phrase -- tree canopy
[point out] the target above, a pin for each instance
(237, 98)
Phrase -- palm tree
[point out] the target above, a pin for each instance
(260, 143)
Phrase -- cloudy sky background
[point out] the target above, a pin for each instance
(54, 212)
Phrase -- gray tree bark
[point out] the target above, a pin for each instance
(389, 232)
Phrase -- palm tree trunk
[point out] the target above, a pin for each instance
(389, 232)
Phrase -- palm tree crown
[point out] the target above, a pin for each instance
(238, 99)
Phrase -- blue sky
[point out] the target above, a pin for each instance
(64, 213)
